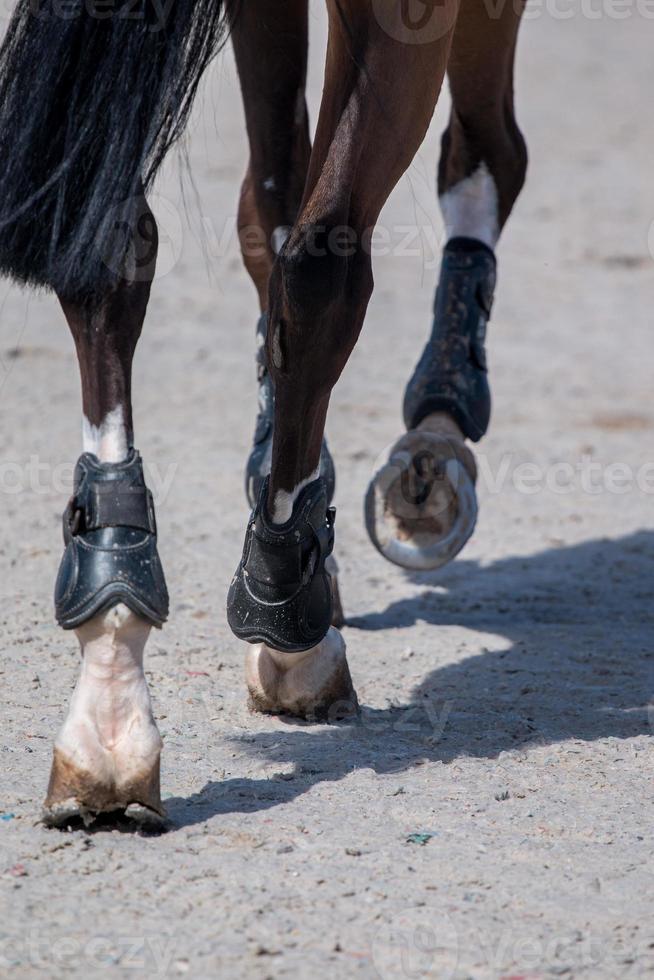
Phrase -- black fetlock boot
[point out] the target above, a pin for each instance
(451, 375)
(258, 464)
(281, 594)
(111, 545)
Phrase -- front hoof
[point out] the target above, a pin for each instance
(315, 685)
(421, 505)
(75, 795)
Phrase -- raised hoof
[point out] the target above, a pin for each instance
(421, 505)
(75, 795)
(315, 685)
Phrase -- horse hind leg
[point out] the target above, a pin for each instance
(421, 506)
(110, 588)
(108, 97)
(375, 111)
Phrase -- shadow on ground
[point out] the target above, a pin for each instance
(579, 665)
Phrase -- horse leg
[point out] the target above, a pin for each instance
(270, 45)
(421, 505)
(379, 97)
(110, 589)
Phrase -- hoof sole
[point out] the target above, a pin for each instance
(421, 505)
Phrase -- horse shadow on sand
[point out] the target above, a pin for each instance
(578, 663)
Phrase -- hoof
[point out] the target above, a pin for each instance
(315, 685)
(421, 505)
(76, 795)
(107, 754)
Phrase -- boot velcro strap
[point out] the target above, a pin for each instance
(325, 534)
(120, 505)
(113, 504)
(274, 565)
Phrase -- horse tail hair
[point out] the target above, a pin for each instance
(92, 96)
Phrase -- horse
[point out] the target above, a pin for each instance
(92, 98)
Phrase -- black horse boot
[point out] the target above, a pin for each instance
(451, 375)
(111, 555)
(281, 593)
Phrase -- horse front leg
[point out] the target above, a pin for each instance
(379, 96)
(270, 44)
(110, 589)
(421, 505)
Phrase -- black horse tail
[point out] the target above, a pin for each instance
(92, 96)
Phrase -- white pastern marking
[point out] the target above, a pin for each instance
(108, 441)
(470, 208)
(284, 501)
(279, 236)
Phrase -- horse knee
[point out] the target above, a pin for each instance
(320, 288)
(313, 271)
(323, 269)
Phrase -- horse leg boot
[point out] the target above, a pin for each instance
(270, 45)
(421, 505)
(375, 111)
(110, 589)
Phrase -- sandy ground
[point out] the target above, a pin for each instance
(505, 698)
